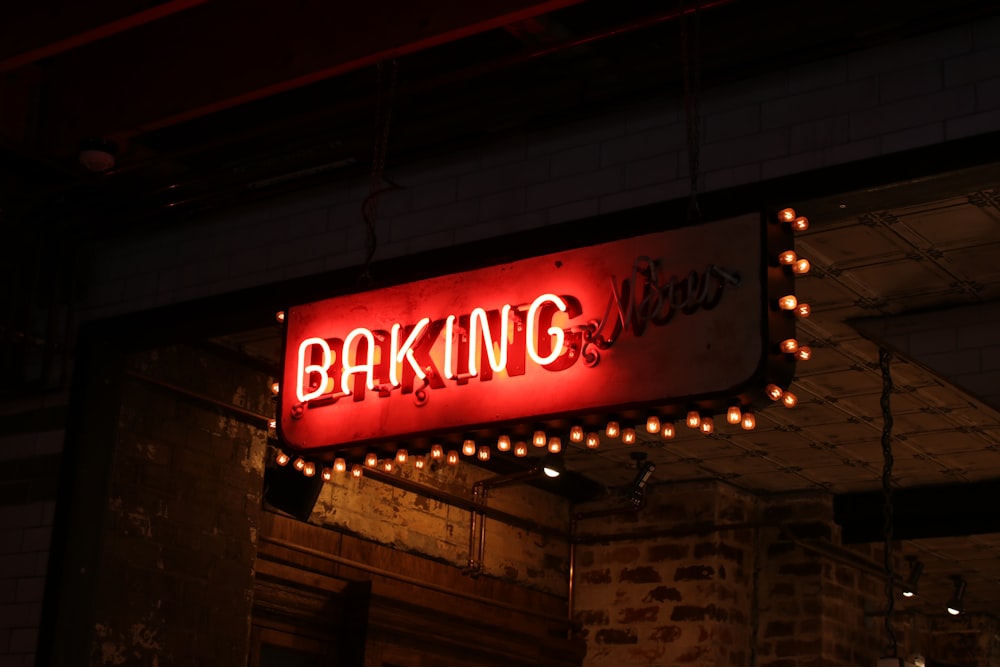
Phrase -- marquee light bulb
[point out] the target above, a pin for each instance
(693, 419)
(612, 430)
(804, 353)
(275, 387)
(707, 425)
(339, 465)
(437, 452)
(309, 469)
(801, 266)
(280, 316)
(520, 449)
(800, 224)
(402, 456)
(300, 464)
(749, 421)
(628, 435)
(788, 302)
(282, 459)
(593, 440)
(652, 424)
(787, 258)
(419, 462)
(357, 471)
(451, 458)
(786, 215)
(327, 474)
(539, 439)
(272, 424)
(789, 400)
(803, 310)
(503, 443)
(576, 434)
(387, 465)
(789, 345)
(773, 391)
(483, 454)
(734, 414)
(555, 445)
(371, 459)
(668, 431)
(469, 447)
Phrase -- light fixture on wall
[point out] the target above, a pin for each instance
(637, 492)
(957, 603)
(910, 585)
(552, 465)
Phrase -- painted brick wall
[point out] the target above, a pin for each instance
(922, 91)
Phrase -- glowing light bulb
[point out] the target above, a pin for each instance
(576, 434)
(280, 316)
(612, 430)
(693, 419)
(469, 447)
(387, 465)
(282, 459)
(520, 449)
(787, 258)
(789, 400)
(327, 474)
(800, 224)
(357, 471)
(788, 302)
(503, 443)
(275, 387)
(451, 458)
(786, 215)
(773, 391)
(309, 469)
(804, 353)
(803, 310)
(272, 424)
(593, 440)
(402, 456)
(801, 266)
(539, 439)
(789, 345)
(371, 459)
(483, 454)
(300, 464)
(652, 424)
(734, 414)
(437, 452)
(555, 444)
(339, 465)
(419, 462)
(628, 435)
(707, 425)
(668, 431)
(749, 421)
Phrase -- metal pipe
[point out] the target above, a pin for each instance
(202, 398)
(481, 556)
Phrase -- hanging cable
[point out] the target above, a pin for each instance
(691, 73)
(885, 357)
(378, 183)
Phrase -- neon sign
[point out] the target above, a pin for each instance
(647, 321)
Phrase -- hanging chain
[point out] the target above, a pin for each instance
(369, 208)
(691, 72)
(884, 357)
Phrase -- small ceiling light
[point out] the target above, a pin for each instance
(652, 424)
(789, 400)
(576, 434)
(788, 302)
(339, 465)
(402, 456)
(957, 603)
(97, 155)
(804, 353)
(801, 266)
(280, 316)
(419, 462)
(803, 310)
(520, 449)
(787, 258)
(693, 419)
(773, 391)
(469, 447)
(628, 435)
(555, 444)
(552, 465)
(786, 215)
(275, 388)
(371, 459)
(282, 459)
(593, 440)
(539, 439)
(800, 224)
(451, 458)
(437, 452)
(357, 471)
(503, 443)
(327, 474)
(707, 425)
(734, 414)
(483, 454)
(387, 465)
(309, 469)
(612, 430)
(749, 422)
(911, 584)
(300, 464)
(668, 431)
(789, 346)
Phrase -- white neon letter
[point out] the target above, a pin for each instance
(479, 315)
(399, 353)
(449, 343)
(368, 367)
(552, 331)
(306, 371)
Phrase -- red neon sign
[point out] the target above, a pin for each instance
(653, 320)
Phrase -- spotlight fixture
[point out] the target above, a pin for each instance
(957, 603)
(916, 569)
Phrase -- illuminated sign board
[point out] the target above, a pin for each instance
(670, 318)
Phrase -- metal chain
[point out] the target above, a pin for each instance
(369, 208)
(691, 72)
(884, 357)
